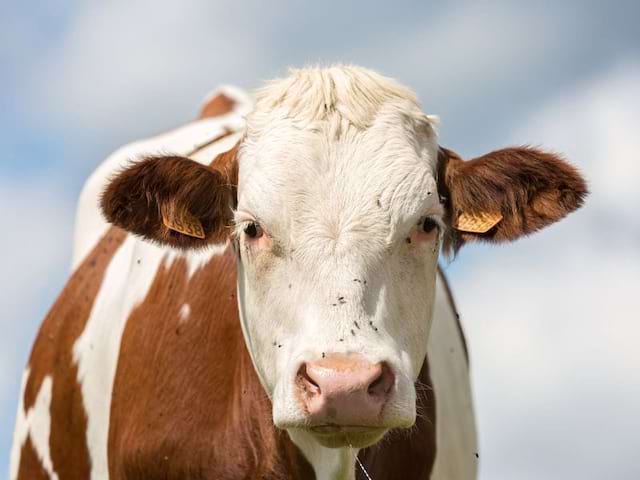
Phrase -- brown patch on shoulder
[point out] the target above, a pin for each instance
(52, 354)
(30, 467)
(186, 400)
(452, 303)
(406, 454)
(217, 106)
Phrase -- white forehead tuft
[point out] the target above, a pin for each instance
(339, 153)
(353, 93)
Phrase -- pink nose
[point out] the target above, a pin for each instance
(344, 390)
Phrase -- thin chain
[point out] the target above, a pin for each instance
(362, 467)
(366, 474)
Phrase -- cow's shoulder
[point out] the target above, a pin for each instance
(51, 423)
(186, 400)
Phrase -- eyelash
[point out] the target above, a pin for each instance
(244, 227)
(253, 230)
(428, 224)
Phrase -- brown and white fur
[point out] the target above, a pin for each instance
(171, 356)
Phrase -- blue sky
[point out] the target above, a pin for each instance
(552, 320)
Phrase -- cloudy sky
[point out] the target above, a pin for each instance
(553, 321)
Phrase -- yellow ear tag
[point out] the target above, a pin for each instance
(182, 222)
(478, 223)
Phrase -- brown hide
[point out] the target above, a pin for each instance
(52, 355)
(186, 400)
(216, 106)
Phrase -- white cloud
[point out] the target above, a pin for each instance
(471, 48)
(124, 69)
(555, 363)
(552, 321)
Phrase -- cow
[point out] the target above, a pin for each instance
(257, 294)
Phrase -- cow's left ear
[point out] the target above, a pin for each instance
(173, 200)
(507, 193)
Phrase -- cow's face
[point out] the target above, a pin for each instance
(339, 234)
(341, 198)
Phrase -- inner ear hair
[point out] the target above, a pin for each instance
(166, 198)
(506, 194)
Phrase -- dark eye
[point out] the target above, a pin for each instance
(253, 230)
(429, 225)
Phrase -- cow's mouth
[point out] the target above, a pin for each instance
(356, 436)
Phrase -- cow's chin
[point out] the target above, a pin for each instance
(333, 436)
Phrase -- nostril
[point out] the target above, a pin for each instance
(305, 382)
(383, 383)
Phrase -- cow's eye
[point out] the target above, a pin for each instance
(429, 225)
(253, 230)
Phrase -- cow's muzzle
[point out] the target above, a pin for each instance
(344, 394)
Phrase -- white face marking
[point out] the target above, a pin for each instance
(36, 424)
(337, 204)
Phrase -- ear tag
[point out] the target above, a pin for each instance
(477, 223)
(182, 222)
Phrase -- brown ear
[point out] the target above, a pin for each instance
(172, 200)
(507, 193)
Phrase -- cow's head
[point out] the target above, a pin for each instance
(340, 199)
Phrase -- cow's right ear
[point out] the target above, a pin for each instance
(172, 200)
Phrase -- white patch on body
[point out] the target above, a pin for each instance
(455, 424)
(36, 424)
(185, 312)
(198, 259)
